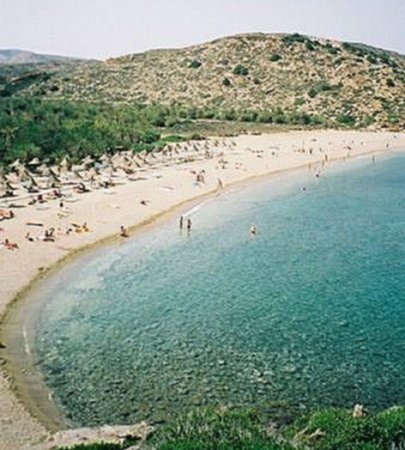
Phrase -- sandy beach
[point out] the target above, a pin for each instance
(152, 192)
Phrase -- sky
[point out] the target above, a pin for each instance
(104, 28)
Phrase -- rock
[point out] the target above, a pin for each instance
(108, 434)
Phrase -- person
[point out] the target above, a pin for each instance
(189, 224)
(181, 221)
(253, 230)
(10, 245)
(124, 232)
(220, 184)
(373, 159)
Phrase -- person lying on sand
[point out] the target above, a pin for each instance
(144, 202)
(40, 198)
(10, 245)
(81, 228)
(28, 237)
(6, 215)
(80, 188)
(56, 193)
(49, 235)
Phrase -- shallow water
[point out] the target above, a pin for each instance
(309, 313)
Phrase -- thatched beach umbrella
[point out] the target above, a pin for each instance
(15, 164)
(34, 162)
(88, 161)
(43, 170)
(105, 159)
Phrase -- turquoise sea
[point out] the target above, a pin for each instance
(308, 313)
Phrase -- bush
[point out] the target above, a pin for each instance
(331, 49)
(346, 120)
(275, 57)
(309, 46)
(265, 117)
(390, 82)
(299, 101)
(241, 70)
(195, 64)
(293, 38)
(217, 429)
(226, 82)
(312, 93)
(101, 446)
(248, 116)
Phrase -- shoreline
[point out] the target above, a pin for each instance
(57, 260)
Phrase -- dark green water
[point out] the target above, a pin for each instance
(309, 313)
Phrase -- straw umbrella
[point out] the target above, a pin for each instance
(64, 165)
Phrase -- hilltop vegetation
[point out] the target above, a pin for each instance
(82, 107)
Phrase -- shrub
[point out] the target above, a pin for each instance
(241, 70)
(312, 93)
(150, 136)
(331, 49)
(101, 446)
(195, 64)
(299, 101)
(309, 46)
(226, 82)
(217, 429)
(372, 59)
(390, 82)
(265, 117)
(346, 120)
(248, 116)
(293, 38)
(275, 57)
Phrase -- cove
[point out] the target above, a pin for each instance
(308, 313)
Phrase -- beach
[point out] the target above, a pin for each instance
(135, 203)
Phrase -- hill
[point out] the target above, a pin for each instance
(12, 56)
(252, 77)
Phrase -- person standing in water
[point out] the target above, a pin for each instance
(181, 222)
(188, 225)
(123, 232)
(253, 230)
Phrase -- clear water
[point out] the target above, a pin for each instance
(309, 313)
